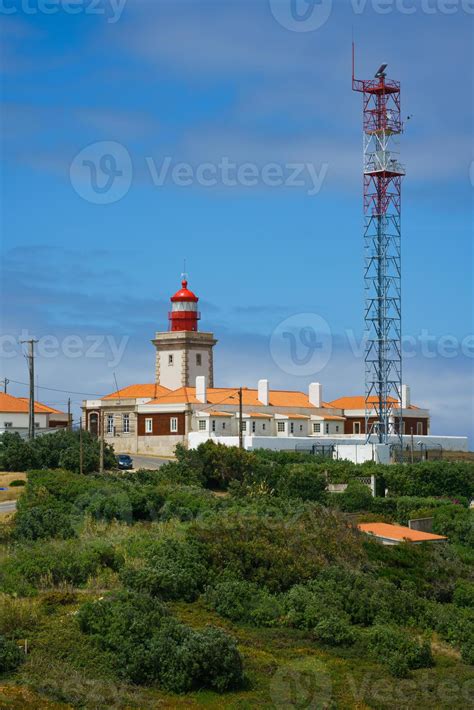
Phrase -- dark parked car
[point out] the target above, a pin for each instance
(125, 462)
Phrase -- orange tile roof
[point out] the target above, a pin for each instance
(9, 403)
(138, 392)
(333, 417)
(259, 415)
(296, 416)
(398, 532)
(216, 414)
(359, 402)
(230, 395)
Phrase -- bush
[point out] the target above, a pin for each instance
(147, 645)
(335, 630)
(17, 482)
(398, 650)
(18, 617)
(456, 523)
(172, 570)
(464, 594)
(49, 519)
(11, 656)
(302, 480)
(239, 600)
(431, 478)
(357, 497)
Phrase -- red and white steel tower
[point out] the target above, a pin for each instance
(383, 174)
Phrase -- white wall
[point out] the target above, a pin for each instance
(171, 376)
(19, 420)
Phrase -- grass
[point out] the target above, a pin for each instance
(12, 493)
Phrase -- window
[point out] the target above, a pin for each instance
(356, 428)
(7, 425)
(316, 428)
(264, 426)
(213, 425)
(148, 426)
(110, 423)
(202, 425)
(171, 360)
(281, 426)
(223, 425)
(198, 359)
(254, 427)
(173, 425)
(419, 428)
(301, 427)
(126, 423)
(37, 425)
(292, 428)
(327, 428)
(244, 426)
(337, 428)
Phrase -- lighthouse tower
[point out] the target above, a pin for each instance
(183, 353)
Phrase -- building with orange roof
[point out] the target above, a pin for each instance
(183, 406)
(14, 415)
(389, 534)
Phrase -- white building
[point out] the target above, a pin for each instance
(14, 415)
(183, 406)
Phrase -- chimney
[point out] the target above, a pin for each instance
(263, 392)
(315, 394)
(406, 400)
(201, 389)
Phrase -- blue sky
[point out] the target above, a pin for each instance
(199, 82)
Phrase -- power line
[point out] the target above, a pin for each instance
(55, 389)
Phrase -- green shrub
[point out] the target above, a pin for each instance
(239, 600)
(464, 594)
(172, 570)
(17, 482)
(49, 519)
(397, 650)
(431, 478)
(11, 656)
(357, 497)
(147, 645)
(335, 630)
(302, 480)
(18, 617)
(456, 522)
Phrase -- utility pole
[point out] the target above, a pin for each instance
(101, 459)
(31, 367)
(69, 422)
(81, 453)
(5, 384)
(241, 438)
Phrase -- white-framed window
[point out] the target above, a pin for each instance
(254, 427)
(8, 425)
(202, 425)
(281, 426)
(244, 426)
(198, 359)
(213, 425)
(110, 423)
(356, 427)
(126, 423)
(173, 425)
(316, 427)
(419, 428)
(170, 360)
(148, 425)
(292, 427)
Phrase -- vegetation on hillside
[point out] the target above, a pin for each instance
(148, 588)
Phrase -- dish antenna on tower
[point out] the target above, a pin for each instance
(381, 72)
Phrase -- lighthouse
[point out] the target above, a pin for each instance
(184, 314)
(183, 352)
